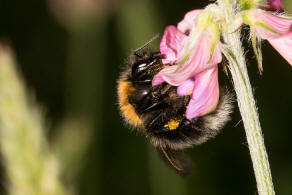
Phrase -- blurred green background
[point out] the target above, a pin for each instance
(70, 53)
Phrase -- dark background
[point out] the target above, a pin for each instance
(71, 61)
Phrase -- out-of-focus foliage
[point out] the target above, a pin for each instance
(72, 59)
(30, 166)
(288, 6)
(70, 144)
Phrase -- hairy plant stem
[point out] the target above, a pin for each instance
(246, 102)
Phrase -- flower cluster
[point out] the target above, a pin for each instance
(192, 50)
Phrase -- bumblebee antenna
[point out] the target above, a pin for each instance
(145, 45)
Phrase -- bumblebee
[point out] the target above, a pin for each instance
(159, 113)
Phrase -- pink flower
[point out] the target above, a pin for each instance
(192, 52)
(277, 30)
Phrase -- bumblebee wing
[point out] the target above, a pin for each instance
(177, 160)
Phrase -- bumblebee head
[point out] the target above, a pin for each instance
(144, 66)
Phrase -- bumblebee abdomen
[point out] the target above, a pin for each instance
(179, 132)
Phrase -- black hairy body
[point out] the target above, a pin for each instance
(159, 112)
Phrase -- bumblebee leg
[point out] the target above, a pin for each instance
(155, 123)
(147, 104)
(152, 106)
(146, 81)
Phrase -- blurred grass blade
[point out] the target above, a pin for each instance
(31, 168)
(71, 145)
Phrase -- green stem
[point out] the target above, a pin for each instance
(246, 103)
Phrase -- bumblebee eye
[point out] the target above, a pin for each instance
(146, 99)
(141, 98)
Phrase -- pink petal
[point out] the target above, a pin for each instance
(186, 88)
(187, 23)
(217, 57)
(278, 24)
(284, 46)
(158, 79)
(171, 43)
(205, 95)
(199, 61)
